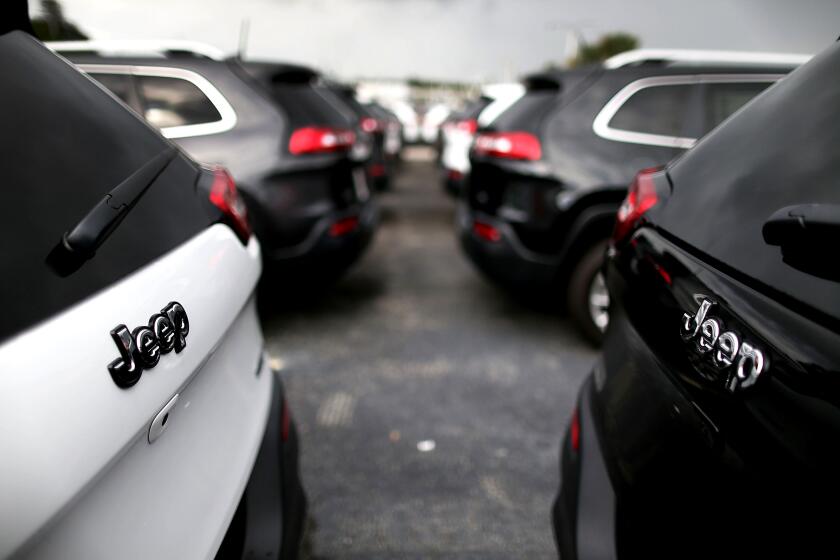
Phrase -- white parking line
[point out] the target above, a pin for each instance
(336, 410)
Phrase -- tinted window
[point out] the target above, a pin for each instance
(722, 100)
(65, 143)
(781, 150)
(659, 110)
(527, 113)
(175, 102)
(307, 105)
(119, 84)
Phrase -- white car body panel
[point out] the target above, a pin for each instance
(79, 478)
(432, 121)
(456, 149)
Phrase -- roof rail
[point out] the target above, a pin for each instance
(138, 47)
(639, 56)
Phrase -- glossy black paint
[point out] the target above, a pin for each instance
(558, 207)
(378, 168)
(289, 197)
(695, 469)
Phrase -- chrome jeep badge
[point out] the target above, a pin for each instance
(141, 348)
(740, 361)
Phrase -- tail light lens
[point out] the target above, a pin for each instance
(641, 197)
(314, 140)
(369, 124)
(469, 125)
(486, 231)
(509, 145)
(454, 175)
(574, 431)
(377, 170)
(225, 197)
(344, 226)
(285, 421)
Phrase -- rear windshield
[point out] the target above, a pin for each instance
(311, 105)
(65, 143)
(781, 150)
(527, 113)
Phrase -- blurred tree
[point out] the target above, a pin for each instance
(51, 25)
(607, 46)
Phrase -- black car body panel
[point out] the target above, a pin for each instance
(596, 128)
(547, 201)
(289, 196)
(378, 168)
(701, 462)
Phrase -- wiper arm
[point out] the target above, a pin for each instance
(80, 242)
(808, 235)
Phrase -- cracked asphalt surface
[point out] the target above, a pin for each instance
(430, 405)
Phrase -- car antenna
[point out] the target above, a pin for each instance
(244, 28)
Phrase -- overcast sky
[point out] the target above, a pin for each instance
(480, 40)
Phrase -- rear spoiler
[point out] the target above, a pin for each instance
(277, 73)
(545, 81)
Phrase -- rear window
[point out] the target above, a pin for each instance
(781, 150)
(169, 102)
(527, 113)
(311, 105)
(657, 110)
(65, 144)
(722, 100)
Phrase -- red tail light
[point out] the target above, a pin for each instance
(454, 175)
(509, 145)
(369, 124)
(314, 140)
(344, 226)
(574, 431)
(641, 197)
(377, 170)
(285, 421)
(224, 195)
(469, 125)
(486, 232)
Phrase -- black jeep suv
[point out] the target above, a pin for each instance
(708, 427)
(549, 173)
(289, 142)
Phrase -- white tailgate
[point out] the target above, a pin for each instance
(78, 478)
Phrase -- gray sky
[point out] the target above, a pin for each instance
(479, 40)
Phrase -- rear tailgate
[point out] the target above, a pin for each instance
(699, 450)
(79, 477)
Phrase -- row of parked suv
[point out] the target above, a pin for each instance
(548, 172)
(306, 155)
(149, 185)
(705, 429)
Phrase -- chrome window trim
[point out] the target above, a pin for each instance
(601, 125)
(636, 56)
(228, 115)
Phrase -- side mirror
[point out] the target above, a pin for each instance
(808, 235)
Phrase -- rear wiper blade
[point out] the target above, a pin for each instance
(79, 243)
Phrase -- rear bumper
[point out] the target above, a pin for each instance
(584, 511)
(321, 246)
(505, 261)
(269, 519)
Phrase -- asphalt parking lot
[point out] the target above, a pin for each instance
(430, 405)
